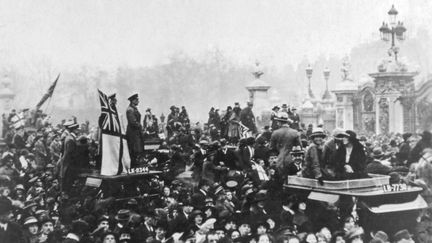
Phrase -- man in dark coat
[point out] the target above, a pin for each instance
(68, 170)
(282, 141)
(18, 138)
(225, 156)
(247, 118)
(9, 231)
(295, 119)
(404, 149)
(134, 131)
(199, 197)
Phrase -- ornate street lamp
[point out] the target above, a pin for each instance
(326, 73)
(394, 30)
(309, 72)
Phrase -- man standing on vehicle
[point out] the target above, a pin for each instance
(134, 131)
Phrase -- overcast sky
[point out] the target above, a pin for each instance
(107, 33)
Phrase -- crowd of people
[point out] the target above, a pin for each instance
(222, 184)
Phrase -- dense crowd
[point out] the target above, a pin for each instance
(222, 182)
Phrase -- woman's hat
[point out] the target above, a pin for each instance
(30, 220)
(354, 232)
(402, 234)
(318, 132)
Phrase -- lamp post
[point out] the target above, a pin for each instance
(393, 31)
(326, 73)
(309, 72)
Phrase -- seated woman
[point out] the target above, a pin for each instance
(314, 156)
(350, 158)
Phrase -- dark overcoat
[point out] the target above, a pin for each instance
(134, 133)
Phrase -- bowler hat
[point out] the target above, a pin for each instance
(297, 150)
(132, 97)
(123, 215)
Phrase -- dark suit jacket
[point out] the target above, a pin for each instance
(244, 158)
(69, 154)
(141, 233)
(13, 234)
(228, 158)
(248, 119)
(198, 200)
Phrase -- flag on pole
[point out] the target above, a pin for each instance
(115, 154)
(244, 131)
(18, 120)
(49, 93)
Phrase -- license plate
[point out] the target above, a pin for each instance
(395, 187)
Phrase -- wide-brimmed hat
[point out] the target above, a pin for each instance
(208, 224)
(29, 204)
(71, 124)
(123, 215)
(354, 232)
(339, 133)
(19, 187)
(318, 132)
(30, 220)
(402, 234)
(275, 108)
(282, 117)
(380, 235)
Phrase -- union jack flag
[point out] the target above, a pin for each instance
(109, 121)
(244, 131)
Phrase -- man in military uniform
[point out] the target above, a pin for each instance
(134, 130)
(247, 118)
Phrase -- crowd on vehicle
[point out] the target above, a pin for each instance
(223, 182)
